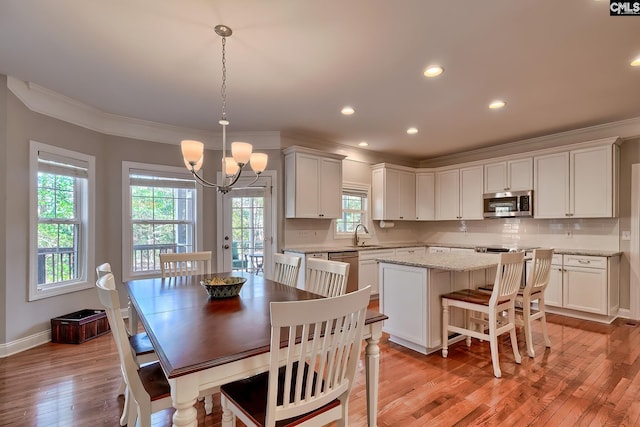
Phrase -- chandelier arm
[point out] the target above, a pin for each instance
(204, 182)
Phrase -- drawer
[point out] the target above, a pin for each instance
(438, 249)
(418, 250)
(585, 261)
(373, 254)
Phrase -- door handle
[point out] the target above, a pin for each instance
(225, 246)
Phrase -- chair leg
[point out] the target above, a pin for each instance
(131, 407)
(228, 417)
(514, 339)
(468, 324)
(208, 404)
(445, 329)
(543, 320)
(126, 409)
(122, 389)
(526, 317)
(493, 342)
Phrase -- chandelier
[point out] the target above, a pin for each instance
(241, 152)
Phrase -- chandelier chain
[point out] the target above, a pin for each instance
(223, 88)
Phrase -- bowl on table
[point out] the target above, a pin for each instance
(223, 287)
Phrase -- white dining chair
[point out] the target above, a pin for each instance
(139, 343)
(537, 281)
(286, 268)
(185, 264)
(326, 278)
(147, 385)
(311, 386)
(483, 310)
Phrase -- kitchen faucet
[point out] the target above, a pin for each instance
(355, 233)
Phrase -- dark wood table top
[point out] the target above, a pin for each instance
(191, 332)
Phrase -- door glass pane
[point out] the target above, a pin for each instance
(247, 231)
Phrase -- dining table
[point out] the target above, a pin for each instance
(203, 342)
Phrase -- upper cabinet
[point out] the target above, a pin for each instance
(313, 183)
(425, 196)
(458, 193)
(580, 183)
(510, 175)
(393, 192)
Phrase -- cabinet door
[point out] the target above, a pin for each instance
(448, 194)
(391, 196)
(425, 196)
(495, 177)
(471, 203)
(585, 289)
(591, 178)
(406, 195)
(551, 189)
(553, 293)
(520, 174)
(368, 275)
(307, 186)
(330, 190)
(377, 194)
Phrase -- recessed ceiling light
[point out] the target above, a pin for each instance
(364, 144)
(347, 110)
(433, 71)
(412, 131)
(497, 104)
(636, 62)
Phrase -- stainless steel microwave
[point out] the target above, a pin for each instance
(508, 204)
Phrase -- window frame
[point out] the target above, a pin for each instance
(127, 221)
(86, 229)
(352, 187)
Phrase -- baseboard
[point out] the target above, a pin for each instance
(625, 313)
(22, 344)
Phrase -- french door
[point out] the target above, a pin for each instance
(245, 227)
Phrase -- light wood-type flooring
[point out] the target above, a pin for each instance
(590, 377)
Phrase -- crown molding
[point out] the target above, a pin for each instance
(45, 101)
(624, 129)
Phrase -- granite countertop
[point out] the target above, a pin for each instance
(452, 261)
(331, 249)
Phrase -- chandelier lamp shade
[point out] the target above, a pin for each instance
(241, 152)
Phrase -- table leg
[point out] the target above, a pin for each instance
(372, 366)
(133, 319)
(184, 393)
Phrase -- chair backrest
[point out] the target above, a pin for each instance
(286, 269)
(329, 332)
(110, 300)
(540, 271)
(508, 277)
(103, 269)
(326, 278)
(185, 264)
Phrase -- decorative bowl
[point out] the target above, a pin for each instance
(223, 287)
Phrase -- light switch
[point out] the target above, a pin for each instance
(626, 235)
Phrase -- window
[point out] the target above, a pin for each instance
(354, 209)
(162, 203)
(62, 219)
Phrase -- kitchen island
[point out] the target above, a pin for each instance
(410, 289)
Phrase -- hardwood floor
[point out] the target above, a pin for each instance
(590, 377)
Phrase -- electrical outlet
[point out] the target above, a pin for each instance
(304, 233)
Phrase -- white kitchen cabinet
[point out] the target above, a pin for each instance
(509, 175)
(425, 196)
(393, 192)
(368, 267)
(313, 183)
(438, 249)
(578, 183)
(300, 284)
(586, 284)
(459, 193)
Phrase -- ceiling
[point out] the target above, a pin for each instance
(292, 65)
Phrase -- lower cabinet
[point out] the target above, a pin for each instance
(583, 283)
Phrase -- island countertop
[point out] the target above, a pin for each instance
(452, 261)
